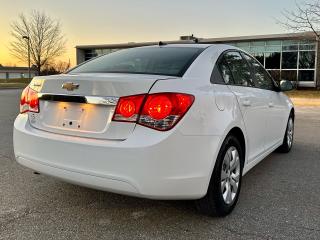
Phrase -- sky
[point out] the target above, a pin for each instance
(121, 21)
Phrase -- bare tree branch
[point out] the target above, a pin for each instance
(305, 18)
(46, 39)
(56, 68)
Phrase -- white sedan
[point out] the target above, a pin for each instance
(177, 121)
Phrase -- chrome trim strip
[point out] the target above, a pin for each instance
(109, 101)
(96, 100)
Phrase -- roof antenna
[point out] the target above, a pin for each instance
(161, 43)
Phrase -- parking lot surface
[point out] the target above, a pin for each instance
(280, 198)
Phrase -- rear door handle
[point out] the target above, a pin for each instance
(246, 103)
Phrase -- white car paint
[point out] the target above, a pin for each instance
(135, 160)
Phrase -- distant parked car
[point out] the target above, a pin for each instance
(162, 122)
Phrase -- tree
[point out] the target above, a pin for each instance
(305, 18)
(56, 68)
(45, 36)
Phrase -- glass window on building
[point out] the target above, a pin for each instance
(306, 75)
(290, 48)
(285, 59)
(273, 60)
(259, 57)
(88, 54)
(92, 53)
(307, 60)
(273, 43)
(258, 46)
(273, 48)
(275, 75)
(307, 47)
(290, 42)
(245, 46)
(99, 52)
(290, 45)
(290, 75)
(289, 60)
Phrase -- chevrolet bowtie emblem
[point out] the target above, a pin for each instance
(70, 86)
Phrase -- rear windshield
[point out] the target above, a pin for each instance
(171, 61)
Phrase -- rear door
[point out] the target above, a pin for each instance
(275, 107)
(252, 101)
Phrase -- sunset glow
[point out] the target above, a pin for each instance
(101, 22)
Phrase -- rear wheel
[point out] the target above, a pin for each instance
(225, 183)
(288, 137)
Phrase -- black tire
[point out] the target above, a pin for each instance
(213, 203)
(286, 146)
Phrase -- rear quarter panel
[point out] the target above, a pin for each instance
(215, 110)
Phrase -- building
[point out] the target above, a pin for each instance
(15, 72)
(292, 56)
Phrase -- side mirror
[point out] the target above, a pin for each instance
(286, 85)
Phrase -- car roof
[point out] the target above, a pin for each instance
(191, 45)
(219, 47)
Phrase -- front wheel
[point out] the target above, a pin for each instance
(225, 183)
(288, 137)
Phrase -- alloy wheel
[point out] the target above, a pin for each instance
(290, 130)
(230, 175)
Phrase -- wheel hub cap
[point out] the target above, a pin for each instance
(230, 175)
(290, 132)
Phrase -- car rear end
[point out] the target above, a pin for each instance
(118, 131)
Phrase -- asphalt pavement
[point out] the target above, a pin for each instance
(280, 198)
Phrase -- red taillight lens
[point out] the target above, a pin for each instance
(128, 108)
(158, 107)
(29, 101)
(161, 111)
(24, 106)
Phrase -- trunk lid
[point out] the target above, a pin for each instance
(87, 109)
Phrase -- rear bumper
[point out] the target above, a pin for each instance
(150, 164)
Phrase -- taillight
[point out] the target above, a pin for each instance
(128, 108)
(29, 101)
(160, 111)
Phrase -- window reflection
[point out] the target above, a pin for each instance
(273, 60)
(282, 58)
(240, 70)
(259, 57)
(290, 75)
(261, 77)
(289, 60)
(307, 60)
(275, 74)
(306, 75)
